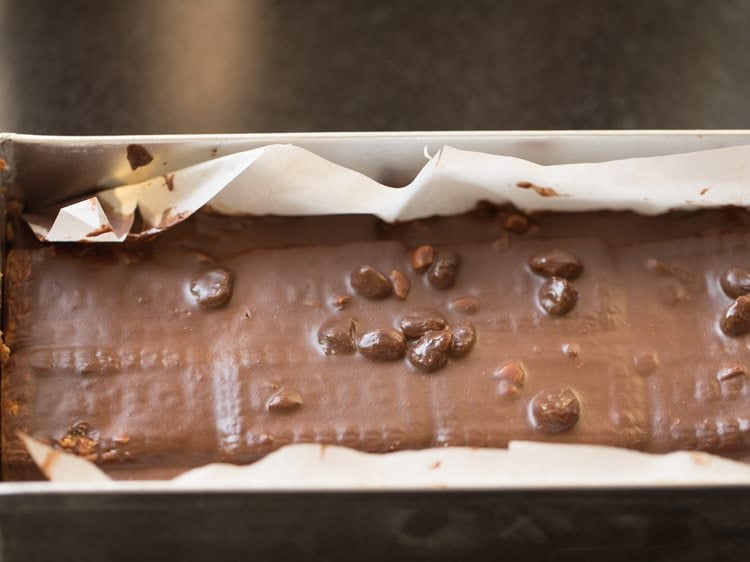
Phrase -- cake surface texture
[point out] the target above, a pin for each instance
(227, 338)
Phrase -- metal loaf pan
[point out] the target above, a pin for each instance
(127, 521)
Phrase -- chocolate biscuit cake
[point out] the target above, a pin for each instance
(227, 338)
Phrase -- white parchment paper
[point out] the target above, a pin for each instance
(288, 180)
(523, 464)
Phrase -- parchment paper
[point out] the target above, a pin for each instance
(523, 464)
(288, 180)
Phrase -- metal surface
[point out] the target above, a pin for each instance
(558, 525)
(188, 66)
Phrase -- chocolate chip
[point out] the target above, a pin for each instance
(736, 319)
(645, 362)
(138, 156)
(557, 296)
(464, 338)
(515, 222)
(337, 336)
(735, 282)
(444, 270)
(284, 402)
(731, 372)
(556, 263)
(340, 302)
(570, 349)
(401, 284)
(422, 257)
(513, 372)
(212, 288)
(430, 352)
(370, 283)
(384, 344)
(465, 305)
(555, 411)
(418, 321)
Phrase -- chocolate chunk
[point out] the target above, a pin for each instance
(736, 319)
(282, 402)
(431, 350)
(401, 284)
(515, 222)
(368, 282)
(80, 439)
(464, 338)
(444, 270)
(466, 305)
(340, 302)
(735, 282)
(337, 336)
(555, 411)
(645, 362)
(421, 320)
(731, 372)
(138, 156)
(422, 257)
(557, 296)
(384, 344)
(513, 372)
(212, 288)
(556, 263)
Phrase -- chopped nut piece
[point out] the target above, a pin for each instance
(422, 257)
(401, 284)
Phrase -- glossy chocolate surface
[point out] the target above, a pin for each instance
(226, 338)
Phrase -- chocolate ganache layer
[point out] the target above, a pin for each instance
(226, 338)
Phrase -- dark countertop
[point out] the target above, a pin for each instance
(237, 66)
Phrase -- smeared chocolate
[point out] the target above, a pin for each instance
(138, 156)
